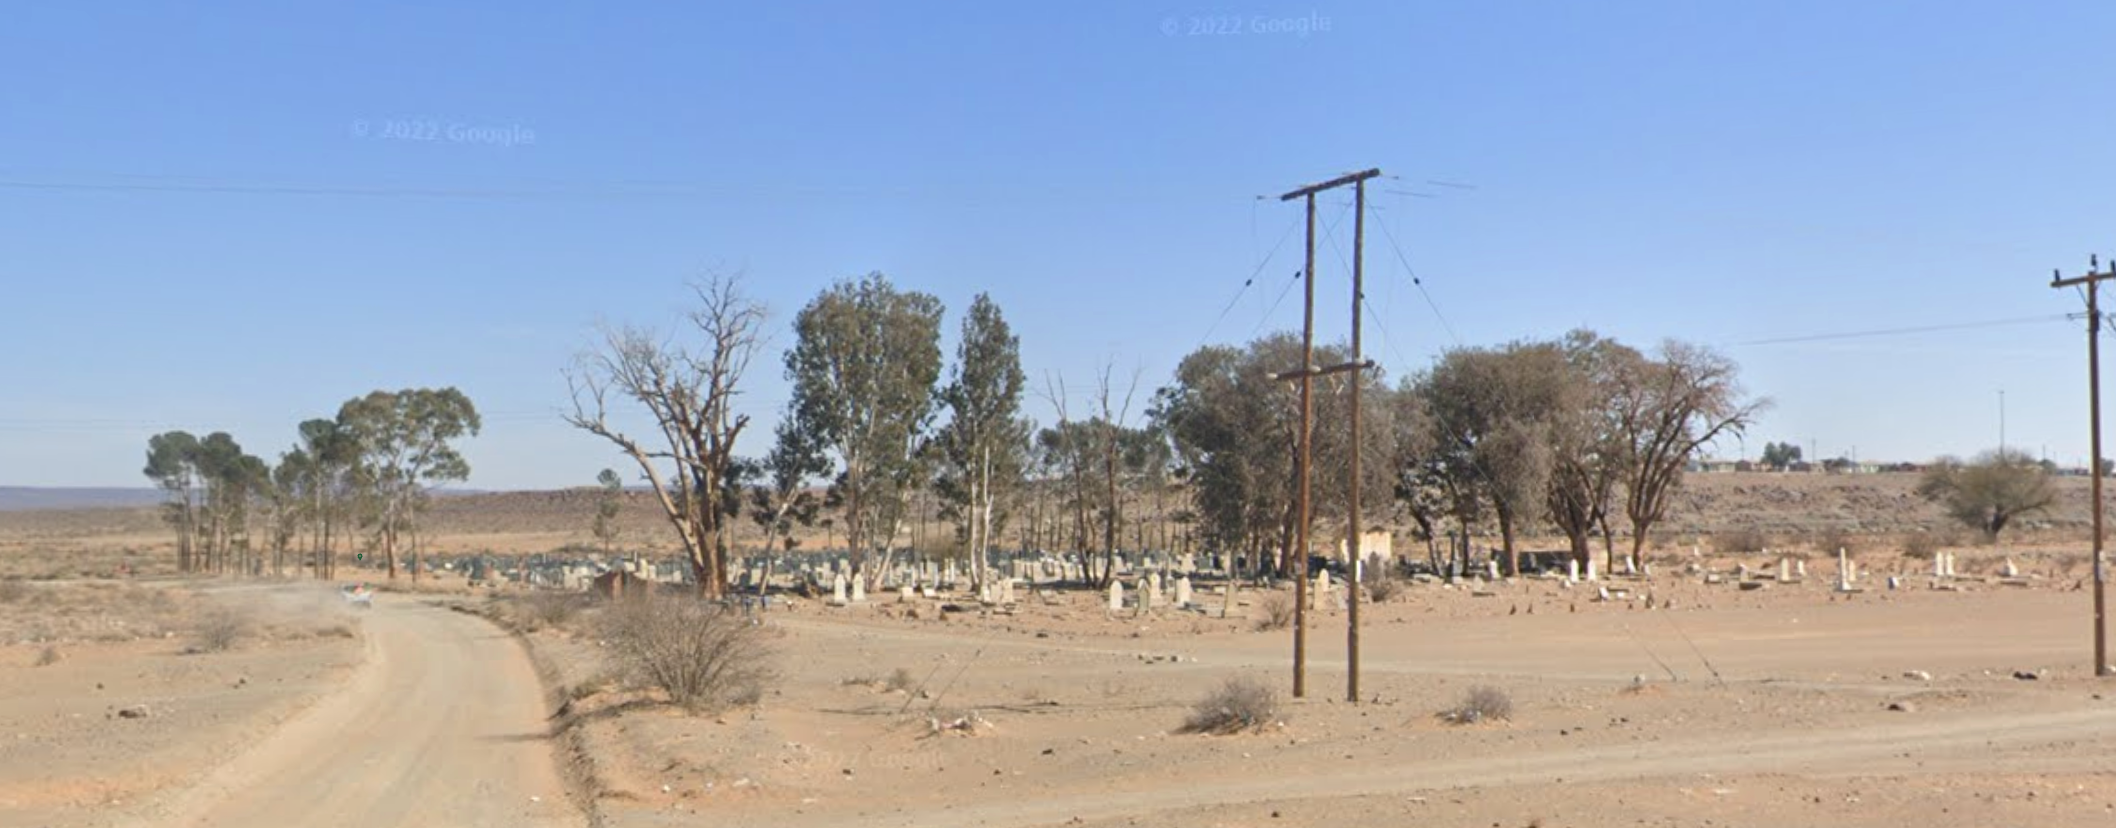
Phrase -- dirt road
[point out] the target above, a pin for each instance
(443, 726)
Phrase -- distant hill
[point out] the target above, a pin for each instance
(33, 498)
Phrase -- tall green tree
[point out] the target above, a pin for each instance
(406, 444)
(172, 463)
(1493, 414)
(981, 448)
(328, 457)
(863, 371)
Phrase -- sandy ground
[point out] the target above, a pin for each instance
(1756, 708)
(67, 758)
(1716, 706)
(423, 717)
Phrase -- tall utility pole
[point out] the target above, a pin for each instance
(2093, 280)
(1352, 545)
(1307, 374)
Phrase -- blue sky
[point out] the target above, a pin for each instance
(206, 222)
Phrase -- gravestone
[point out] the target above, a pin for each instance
(837, 588)
(1183, 591)
(1116, 596)
(859, 590)
(1572, 569)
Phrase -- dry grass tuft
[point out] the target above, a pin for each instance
(1240, 704)
(1483, 703)
(1274, 611)
(1746, 540)
(219, 629)
(1382, 590)
(48, 657)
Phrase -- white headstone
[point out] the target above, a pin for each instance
(1116, 596)
(1006, 590)
(1844, 570)
(2010, 570)
(1183, 591)
(1939, 564)
(1572, 569)
(903, 595)
(1800, 568)
(1146, 599)
(859, 590)
(837, 588)
(1785, 570)
(1590, 568)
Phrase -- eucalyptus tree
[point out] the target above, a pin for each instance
(172, 463)
(406, 443)
(981, 450)
(863, 371)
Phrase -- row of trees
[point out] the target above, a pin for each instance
(864, 371)
(364, 475)
(1583, 434)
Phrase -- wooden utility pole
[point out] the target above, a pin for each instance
(2093, 280)
(1307, 374)
(1352, 545)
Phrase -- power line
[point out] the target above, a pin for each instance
(1418, 283)
(1246, 283)
(1387, 341)
(1274, 304)
(1951, 326)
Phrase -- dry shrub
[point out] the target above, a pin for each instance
(1829, 541)
(219, 628)
(1274, 611)
(1482, 703)
(13, 590)
(900, 680)
(1748, 539)
(1240, 704)
(1382, 590)
(537, 610)
(48, 657)
(703, 655)
(1923, 544)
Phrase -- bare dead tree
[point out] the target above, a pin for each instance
(1113, 418)
(1669, 407)
(689, 394)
